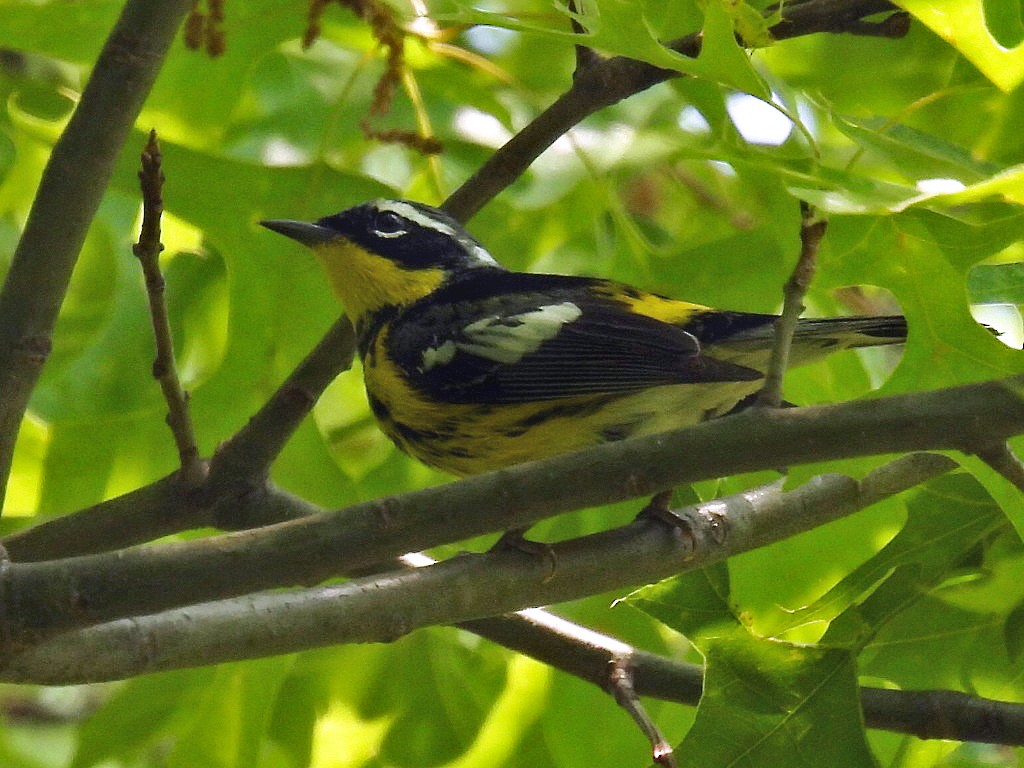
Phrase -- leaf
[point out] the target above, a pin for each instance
(617, 28)
(946, 519)
(915, 152)
(1001, 491)
(1007, 184)
(43, 28)
(136, 715)
(922, 257)
(434, 720)
(227, 723)
(751, 24)
(996, 283)
(1013, 632)
(963, 25)
(961, 635)
(719, 49)
(765, 702)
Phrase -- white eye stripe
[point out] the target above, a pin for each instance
(411, 213)
(506, 339)
(416, 216)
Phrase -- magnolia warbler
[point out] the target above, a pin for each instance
(469, 366)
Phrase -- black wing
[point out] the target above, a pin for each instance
(511, 337)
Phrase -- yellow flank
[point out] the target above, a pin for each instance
(466, 438)
(640, 302)
(365, 282)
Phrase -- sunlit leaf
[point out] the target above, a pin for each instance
(963, 25)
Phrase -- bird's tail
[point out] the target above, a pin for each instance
(816, 337)
(854, 331)
(841, 332)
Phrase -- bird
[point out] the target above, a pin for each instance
(470, 367)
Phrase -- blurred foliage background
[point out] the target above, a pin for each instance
(911, 146)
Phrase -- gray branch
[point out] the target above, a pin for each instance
(471, 587)
(587, 654)
(50, 596)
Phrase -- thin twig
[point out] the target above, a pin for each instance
(620, 684)
(812, 229)
(73, 183)
(165, 367)
(1003, 460)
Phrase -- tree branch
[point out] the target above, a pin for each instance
(159, 509)
(61, 594)
(456, 590)
(944, 715)
(1003, 460)
(73, 182)
(236, 494)
(586, 654)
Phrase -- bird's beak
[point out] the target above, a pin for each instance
(305, 232)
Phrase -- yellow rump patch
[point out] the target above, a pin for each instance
(658, 307)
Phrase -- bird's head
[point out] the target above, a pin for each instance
(387, 253)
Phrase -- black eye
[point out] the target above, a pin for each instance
(388, 224)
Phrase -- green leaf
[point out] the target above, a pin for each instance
(1008, 185)
(1013, 632)
(43, 27)
(914, 152)
(946, 519)
(922, 258)
(961, 634)
(765, 702)
(431, 720)
(137, 714)
(1002, 492)
(719, 49)
(616, 27)
(963, 25)
(229, 719)
(996, 283)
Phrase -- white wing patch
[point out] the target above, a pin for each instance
(439, 355)
(506, 338)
